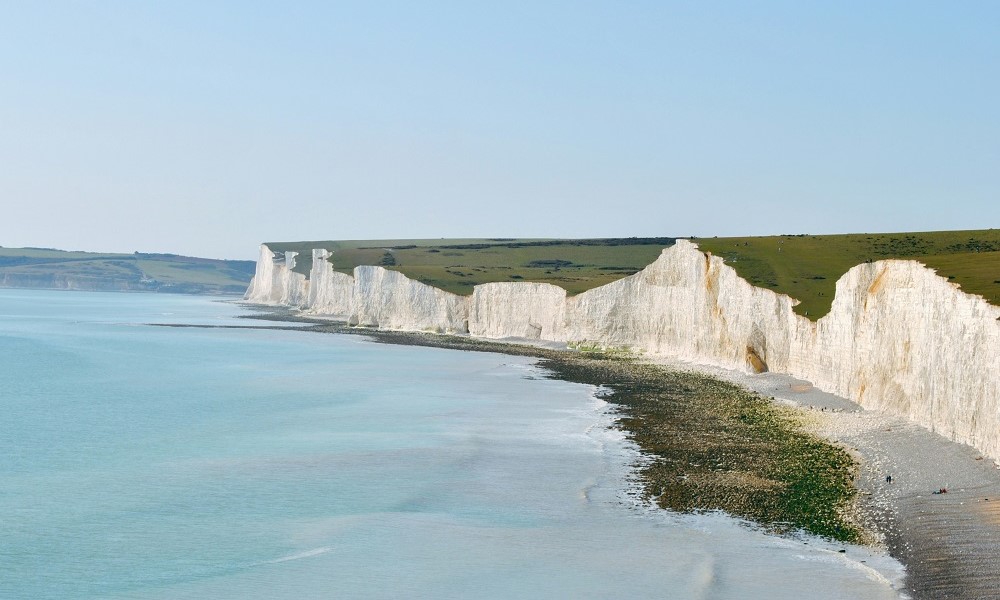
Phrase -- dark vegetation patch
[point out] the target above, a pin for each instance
(635, 241)
(975, 245)
(719, 447)
(550, 263)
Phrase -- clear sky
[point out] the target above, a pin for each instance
(207, 127)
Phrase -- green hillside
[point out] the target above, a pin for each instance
(58, 269)
(807, 267)
(456, 265)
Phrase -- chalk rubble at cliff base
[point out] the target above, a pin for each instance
(899, 338)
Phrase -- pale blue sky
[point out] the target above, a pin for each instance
(206, 127)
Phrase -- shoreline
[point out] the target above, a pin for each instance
(947, 542)
(715, 445)
(950, 542)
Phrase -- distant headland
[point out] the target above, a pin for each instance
(47, 268)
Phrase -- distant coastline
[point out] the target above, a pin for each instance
(45, 268)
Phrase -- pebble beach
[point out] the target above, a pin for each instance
(949, 542)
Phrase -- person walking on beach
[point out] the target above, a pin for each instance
(888, 478)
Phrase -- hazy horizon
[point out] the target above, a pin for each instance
(206, 129)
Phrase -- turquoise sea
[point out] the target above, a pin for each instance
(156, 462)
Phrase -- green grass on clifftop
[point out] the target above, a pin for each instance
(807, 267)
(457, 265)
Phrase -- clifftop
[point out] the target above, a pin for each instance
(806, 267)
(457, 265)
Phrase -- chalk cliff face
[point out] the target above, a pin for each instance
(899, 338)
(275, 283)
(330, 293)
(373, 297)
(535, 311)
(391, 300)
(902, 339)
(690, 306)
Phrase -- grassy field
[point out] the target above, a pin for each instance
(44, 267)
(458, 265)
(807, 267)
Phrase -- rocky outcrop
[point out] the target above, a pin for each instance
(899, 338)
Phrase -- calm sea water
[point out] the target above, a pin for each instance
(150, 462)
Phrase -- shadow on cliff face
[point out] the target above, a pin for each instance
(757, 351)
(755, 361)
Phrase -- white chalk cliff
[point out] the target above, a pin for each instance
(391, 300)
(535, 311)
(274, 282)
(899, 337)
(331, 293)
